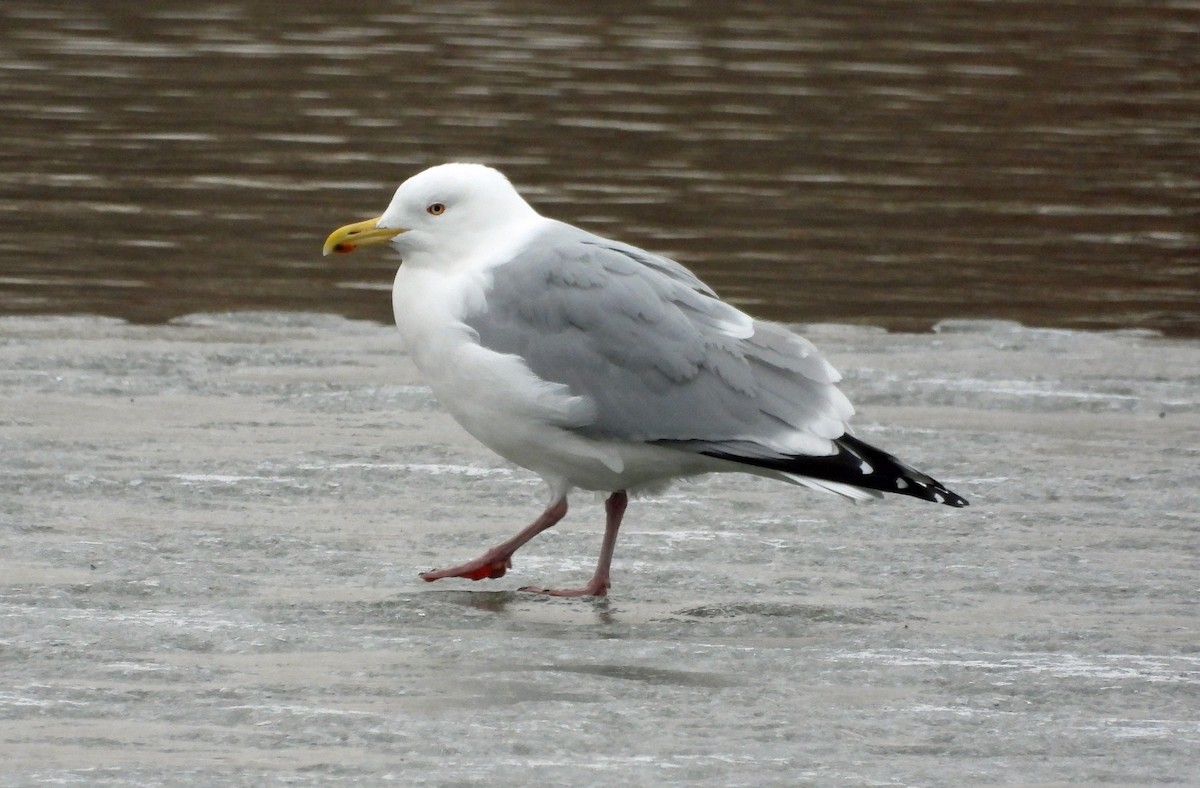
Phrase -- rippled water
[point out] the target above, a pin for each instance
(877, 162)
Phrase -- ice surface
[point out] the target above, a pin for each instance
(210, 533)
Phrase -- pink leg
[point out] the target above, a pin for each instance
(495, 562)
(614, 508)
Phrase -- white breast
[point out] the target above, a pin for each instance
(499, 401)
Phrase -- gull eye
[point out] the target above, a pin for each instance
(437, 209)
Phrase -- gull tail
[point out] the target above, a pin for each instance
(854, 471)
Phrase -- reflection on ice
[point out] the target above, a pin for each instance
(211, 532)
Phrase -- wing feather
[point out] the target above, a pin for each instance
(662, 359)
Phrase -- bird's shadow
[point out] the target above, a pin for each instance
(500, 602)
(487, 601)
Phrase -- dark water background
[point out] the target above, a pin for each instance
(892, 163)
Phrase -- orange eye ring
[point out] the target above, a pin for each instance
(437, 209)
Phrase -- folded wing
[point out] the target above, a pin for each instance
(664, 361)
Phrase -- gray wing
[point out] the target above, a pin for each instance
(661, 357)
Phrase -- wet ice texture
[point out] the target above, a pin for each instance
(211, 530)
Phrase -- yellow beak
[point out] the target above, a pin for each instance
(346, 239)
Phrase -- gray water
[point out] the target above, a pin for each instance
(869, 162)
(212, 519)
(212, 530)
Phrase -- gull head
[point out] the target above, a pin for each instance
(445, 211)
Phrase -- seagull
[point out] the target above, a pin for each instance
(601, 366)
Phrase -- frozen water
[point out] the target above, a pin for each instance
(211, 530)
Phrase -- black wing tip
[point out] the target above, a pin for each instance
(882, 472)
(887, 469)
(956, 500)
(930, 490)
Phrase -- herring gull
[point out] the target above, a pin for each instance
(601, 366)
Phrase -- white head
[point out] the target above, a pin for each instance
(446, 211)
